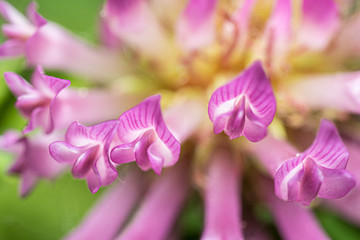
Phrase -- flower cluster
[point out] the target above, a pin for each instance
(269, 74)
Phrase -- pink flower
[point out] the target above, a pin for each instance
(319, 170)
(145, 138)
(38, 102)
(33, 160)
(245, 106)
(87, 150)
(265, 70)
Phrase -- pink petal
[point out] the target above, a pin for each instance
(348, 206)
(317, 171)
(157, 153)
(11, 48)
(11, 15)
(80, 135)
(40, 117)
(28, 182)
(134, 23)
(222, 203)
(17, 32)
(289, 173)
(105, 170)
(154, 145)
(123, 153)
(93, 182)
(328, 150)
(8, 140)
(272, 152)
(34, 16)
(305, 188)
(107, 216)
(278, 32)
(320, 21)
(51, 46)
(184, 118)
(33, 160)
(64, 152)
(244, 106)
(196, 26)
(47, 84)
(345, 86)
(28, 103)
(337, 183)
(164, 200)
(293, 220)
(87, 148)
(242, 19)
(108, 38)
(18, 86)
(345, 43)
(37, 102)
(85, 162)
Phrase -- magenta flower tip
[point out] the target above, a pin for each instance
(318, 171)
(37, 101)
(87, 150)
(244, 106)
(145, 137)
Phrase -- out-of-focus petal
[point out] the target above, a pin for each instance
(36, 101)
(320, 21)
(11, 48)
(33, 160)
(222, 200)
(134, 23)
(196, 26)
(34, 16)
(17, 85)
(293, 220)
(164, 200)
(242, 19)
(11, 15)
(277, 35)
(272, 152)
(345, 43)
(52, 45)
(184, 118)
(108, 215)
(342, 91)
(244, 106)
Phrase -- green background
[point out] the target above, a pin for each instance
(54, 208)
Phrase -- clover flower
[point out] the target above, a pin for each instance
(269, 75)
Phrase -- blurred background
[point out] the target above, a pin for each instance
(54, 208)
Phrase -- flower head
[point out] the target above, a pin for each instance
(265, 70)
